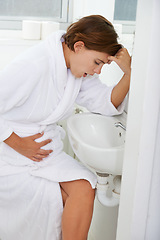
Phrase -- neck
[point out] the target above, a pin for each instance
(66, 52)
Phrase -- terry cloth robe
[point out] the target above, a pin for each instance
(36, 91)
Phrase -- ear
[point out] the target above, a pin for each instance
(78, 46)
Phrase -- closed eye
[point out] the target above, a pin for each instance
(97, 63)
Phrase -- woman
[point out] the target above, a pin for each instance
(42, 189)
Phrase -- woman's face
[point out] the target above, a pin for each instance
(83, 61)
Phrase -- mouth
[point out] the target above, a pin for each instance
(85, 75)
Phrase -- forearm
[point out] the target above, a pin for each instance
(120, 90)
(123, 60)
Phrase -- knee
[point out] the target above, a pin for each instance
(86, 191)
(79, 190)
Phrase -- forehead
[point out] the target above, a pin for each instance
(98, 55)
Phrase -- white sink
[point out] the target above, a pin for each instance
(96, 141)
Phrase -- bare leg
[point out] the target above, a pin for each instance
(78, 197)
(64, 196)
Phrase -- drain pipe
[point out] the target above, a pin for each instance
(102, 188)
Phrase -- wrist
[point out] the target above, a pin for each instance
(13, 141)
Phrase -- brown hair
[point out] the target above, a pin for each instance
(96, 32)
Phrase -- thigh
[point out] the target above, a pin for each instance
(64, 195)
(77, 187)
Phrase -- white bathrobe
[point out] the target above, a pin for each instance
(36, 91)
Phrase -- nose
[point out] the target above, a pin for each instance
(98, 69)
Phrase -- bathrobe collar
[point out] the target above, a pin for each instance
(54, 42)
(66, 84)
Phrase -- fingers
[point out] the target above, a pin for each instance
(37, 135)
(36, 153)
(36, 159)
(122, 59)
(40, 155)
(120, 54)
(45, 142)
(44, 152)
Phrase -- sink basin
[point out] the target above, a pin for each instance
(96, 141)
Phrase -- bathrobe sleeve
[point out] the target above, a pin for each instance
(96, 97)
(16, 83)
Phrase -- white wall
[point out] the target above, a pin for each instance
(139, 217)
(8, 51)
